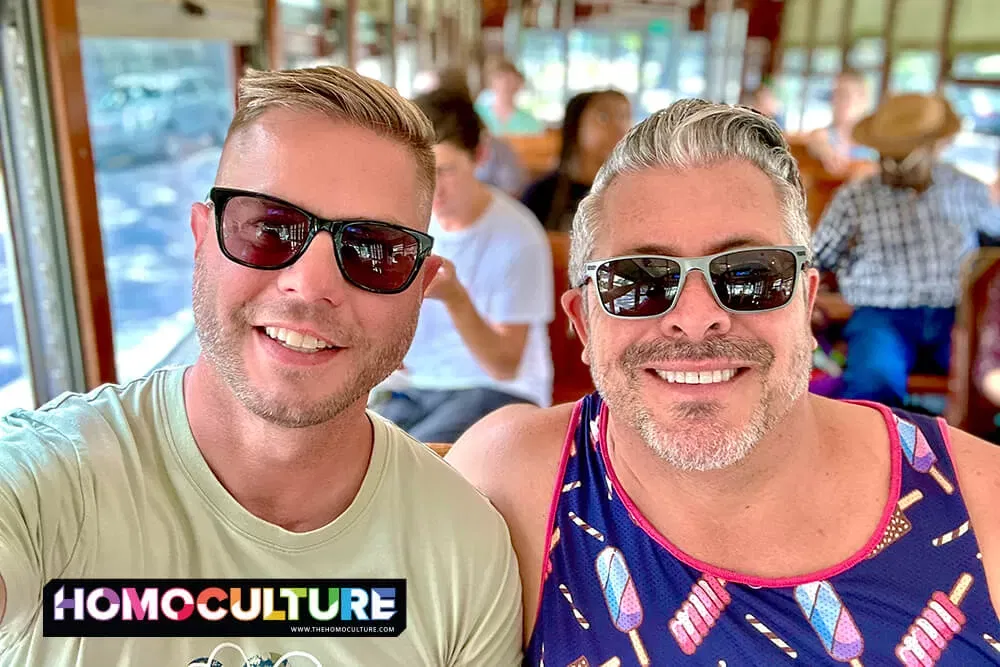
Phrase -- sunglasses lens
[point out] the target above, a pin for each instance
(754, 280)
(379, 257)
(639, 287)
(261, 232)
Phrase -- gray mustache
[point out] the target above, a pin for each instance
(753, 352)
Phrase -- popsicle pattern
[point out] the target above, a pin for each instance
(937, 624)
(919, 454)
(832, 621)
(899, 525)
(621, 597)
(699, 613)
(617, 593)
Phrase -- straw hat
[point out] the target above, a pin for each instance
(904, 122)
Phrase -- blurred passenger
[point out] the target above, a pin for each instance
(454, 79)
(500, 166)
(482, 339)
(895, 241)
(498, 108)
(765, 101)
(261, 460)
(835, 146)
(593, 123)
(986, 369)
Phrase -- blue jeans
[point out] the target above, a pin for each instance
(884, 344)
(431, 415)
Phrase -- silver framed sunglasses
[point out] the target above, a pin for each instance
(742, 280)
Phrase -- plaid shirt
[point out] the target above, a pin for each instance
(897, 248)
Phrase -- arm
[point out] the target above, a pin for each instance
(495, 632)
(835, 231)
(985, 207)
(512, 456)
(497, 347)
(41, 516)
(977, 466)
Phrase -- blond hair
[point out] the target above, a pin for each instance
(345, 95)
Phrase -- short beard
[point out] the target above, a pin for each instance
(703, 442)
(221, 347)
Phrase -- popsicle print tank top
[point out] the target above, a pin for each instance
(615, 592)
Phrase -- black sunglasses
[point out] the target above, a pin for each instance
(747, 280)
(263, 232)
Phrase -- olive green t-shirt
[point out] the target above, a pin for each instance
(111, 484)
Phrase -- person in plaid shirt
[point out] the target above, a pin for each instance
(896, 240)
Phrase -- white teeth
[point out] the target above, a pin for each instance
(296, 340)
(703, 377)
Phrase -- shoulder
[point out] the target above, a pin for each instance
(63, 440)
(513, 454)
(516, 229)
(977, 467)
(508, 208)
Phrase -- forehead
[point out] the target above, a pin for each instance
(690, 213)
(331, 168)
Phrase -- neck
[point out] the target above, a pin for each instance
(584, 168)
(742, 518)
(467, 213)
(299, 479)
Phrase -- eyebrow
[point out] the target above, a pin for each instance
(728, 244)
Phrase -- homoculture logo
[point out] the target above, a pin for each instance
(224, 607)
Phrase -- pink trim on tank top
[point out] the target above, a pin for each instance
(556, 495)
(895, 482)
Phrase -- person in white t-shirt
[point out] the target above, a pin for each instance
(482, 338)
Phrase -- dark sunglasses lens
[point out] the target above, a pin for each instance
(639, 287)
(750, 280)
(261, 232)
(379, 257)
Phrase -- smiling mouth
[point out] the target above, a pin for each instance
(698, 377)
(296, 340)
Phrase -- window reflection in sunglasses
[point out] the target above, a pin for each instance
(746, 281)
(639, 285)
(267, 234)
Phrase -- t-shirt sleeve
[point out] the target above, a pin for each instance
(41, 513)
(495, 630)
(524, 291)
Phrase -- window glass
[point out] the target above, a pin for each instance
(159, 111)
(914, 72)
(657, 87)
(301, 31)
(15, 386)
(976, 149)
(976, 66)
(542, 63)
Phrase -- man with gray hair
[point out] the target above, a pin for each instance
(702, 507)
(254, 489)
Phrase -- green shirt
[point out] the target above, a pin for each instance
(112, 484)
(519, 122)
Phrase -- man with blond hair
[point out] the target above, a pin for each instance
(702, 507)
(261, 461)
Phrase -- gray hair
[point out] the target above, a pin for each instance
(694, 133)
